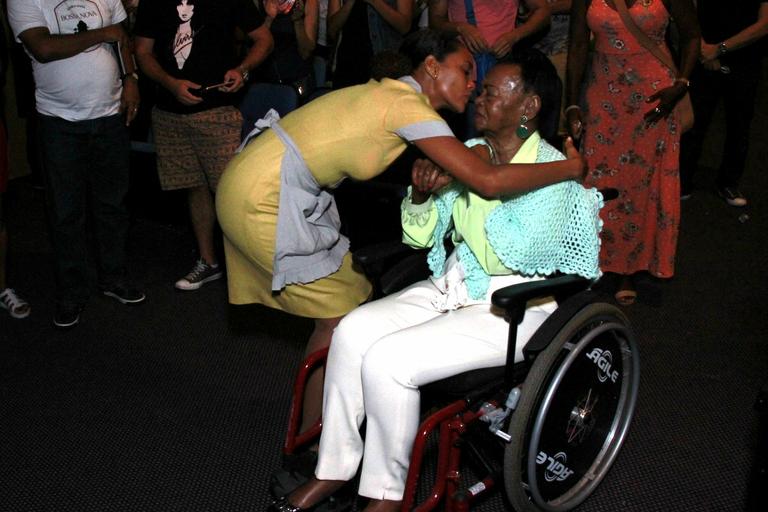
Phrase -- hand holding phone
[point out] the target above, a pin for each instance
(216, 86)
(208, 88)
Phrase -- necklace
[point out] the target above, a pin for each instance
(494, 153)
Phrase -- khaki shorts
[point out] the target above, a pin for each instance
(194, 149)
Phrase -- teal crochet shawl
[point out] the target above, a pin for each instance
(555, 228)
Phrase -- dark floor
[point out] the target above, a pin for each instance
(180, 403)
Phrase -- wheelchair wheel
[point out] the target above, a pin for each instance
(576, 405)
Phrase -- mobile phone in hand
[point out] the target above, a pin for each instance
(216, 86)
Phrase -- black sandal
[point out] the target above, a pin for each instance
(281, 505)
(331, 504)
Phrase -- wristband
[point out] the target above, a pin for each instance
(722, 49)
(571, 107)
(684, 81)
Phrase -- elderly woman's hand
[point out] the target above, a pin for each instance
(426, 178)
(667, 99)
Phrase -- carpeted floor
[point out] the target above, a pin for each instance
(180, 403)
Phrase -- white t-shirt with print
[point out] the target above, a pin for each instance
(87, 85)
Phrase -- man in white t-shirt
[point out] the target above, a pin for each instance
(85, 101)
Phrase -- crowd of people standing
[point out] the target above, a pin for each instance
(619, 105)
(626, 68)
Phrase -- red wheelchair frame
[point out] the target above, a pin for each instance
(563, 346)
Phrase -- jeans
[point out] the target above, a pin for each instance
(85, 165)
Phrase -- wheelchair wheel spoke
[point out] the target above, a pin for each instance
(572, 418)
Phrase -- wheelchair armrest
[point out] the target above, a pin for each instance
(372, 255)
(516, 296)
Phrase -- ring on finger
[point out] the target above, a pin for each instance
(657, 110)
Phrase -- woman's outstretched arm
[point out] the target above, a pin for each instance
(496, 180)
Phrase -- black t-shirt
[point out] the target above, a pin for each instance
(195, 40)
(721, 19)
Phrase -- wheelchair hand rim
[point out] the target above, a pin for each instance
(616, 433)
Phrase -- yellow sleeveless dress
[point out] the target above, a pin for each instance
(354, 132)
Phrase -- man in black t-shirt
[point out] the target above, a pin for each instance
(729, 69)
(188, 48)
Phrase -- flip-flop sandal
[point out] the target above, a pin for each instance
(16, 306)
(626, 297)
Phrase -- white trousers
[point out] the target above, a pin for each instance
(380, 354)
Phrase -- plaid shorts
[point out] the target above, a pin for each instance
(194, 149)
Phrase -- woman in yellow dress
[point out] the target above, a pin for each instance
(281, 227)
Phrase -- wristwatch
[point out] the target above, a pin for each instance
(132, 74)
(722, 49)
(243, 72)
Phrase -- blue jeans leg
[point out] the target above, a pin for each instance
(108, 182)
(85, 163)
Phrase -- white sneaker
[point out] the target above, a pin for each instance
(200, 274)
(732, 196)
(16, 306)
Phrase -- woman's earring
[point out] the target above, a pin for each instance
(522, 131)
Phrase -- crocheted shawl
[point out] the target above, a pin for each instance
(555, 228)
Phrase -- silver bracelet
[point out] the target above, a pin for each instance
(571, 107)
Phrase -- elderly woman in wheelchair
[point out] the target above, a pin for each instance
(384, 351)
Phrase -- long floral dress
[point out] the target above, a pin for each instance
(623, 152)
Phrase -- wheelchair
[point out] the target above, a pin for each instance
(546, 429)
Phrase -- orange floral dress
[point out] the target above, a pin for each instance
(622, 151)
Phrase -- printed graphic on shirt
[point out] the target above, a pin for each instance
(182, 43)
(76, 16)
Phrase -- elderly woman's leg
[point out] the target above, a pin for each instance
(396, 366)
(340, 444)
(381, 353)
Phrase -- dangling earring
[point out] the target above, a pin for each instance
(522, 131)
